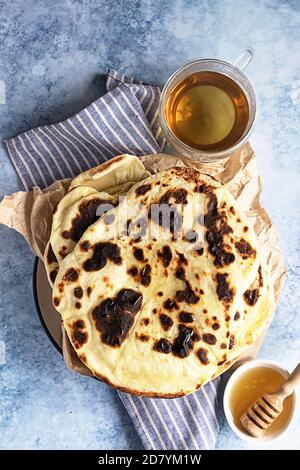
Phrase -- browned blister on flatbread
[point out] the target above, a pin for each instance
(51, 263)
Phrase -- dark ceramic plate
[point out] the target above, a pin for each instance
(49, 317)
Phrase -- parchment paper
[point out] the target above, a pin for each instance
(30, 213)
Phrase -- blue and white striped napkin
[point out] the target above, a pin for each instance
(125, 120)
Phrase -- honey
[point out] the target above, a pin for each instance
(251, 385)
(207, 111)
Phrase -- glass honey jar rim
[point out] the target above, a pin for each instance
(217, 66)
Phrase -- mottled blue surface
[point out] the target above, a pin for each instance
(53, 57)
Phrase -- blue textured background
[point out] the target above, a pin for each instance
(53, 57)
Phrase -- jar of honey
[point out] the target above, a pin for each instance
(249, 382)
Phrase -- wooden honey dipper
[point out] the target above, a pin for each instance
(259, 417)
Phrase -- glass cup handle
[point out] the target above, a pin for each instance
(244, 59)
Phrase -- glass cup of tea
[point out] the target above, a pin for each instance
(208, 108)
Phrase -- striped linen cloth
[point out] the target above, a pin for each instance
(124, 120)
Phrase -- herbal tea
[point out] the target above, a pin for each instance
(207, 111)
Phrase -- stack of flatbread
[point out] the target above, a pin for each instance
(159, 279)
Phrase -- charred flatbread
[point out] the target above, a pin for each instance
(90, 195)
(157, 308)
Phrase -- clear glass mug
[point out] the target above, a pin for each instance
(233, 71)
